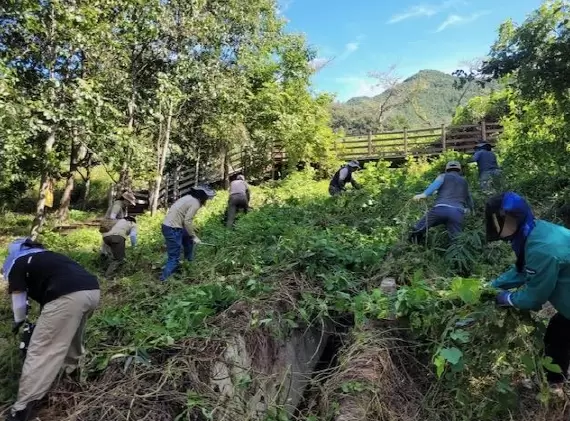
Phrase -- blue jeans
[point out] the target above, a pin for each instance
(440, 215)
(176, 239)
(488, 178)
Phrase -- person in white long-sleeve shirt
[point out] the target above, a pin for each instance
(116, 238)
(178, 229)
(117, 211)
(238, 200)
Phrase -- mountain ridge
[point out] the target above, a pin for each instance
(434, 104)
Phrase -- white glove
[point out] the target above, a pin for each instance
(418, 197)
(196, 240)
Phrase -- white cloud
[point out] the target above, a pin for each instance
(283, 6)
(353, 86)
(414, 12)
(425, 10)
(453, 20)
(319, 62)
(349, 48)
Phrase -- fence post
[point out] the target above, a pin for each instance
(483, 131)
(405, 141)
(443, 138)
(369, 143)
(176, 184)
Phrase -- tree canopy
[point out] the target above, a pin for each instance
(128, 84)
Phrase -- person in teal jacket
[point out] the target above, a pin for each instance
(541, 272)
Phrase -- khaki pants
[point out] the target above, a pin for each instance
(236, 202)
(117, 245)
(57, 342)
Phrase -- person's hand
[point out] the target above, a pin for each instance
(16, 327)
(196, 240)
(419, 197)
(503, 299)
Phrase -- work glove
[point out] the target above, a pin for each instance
(503, 299)
(419, 197)
(16, 327)
(196, 240)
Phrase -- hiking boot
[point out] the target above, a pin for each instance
(23, 415)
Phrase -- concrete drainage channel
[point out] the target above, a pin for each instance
(253, 383)
(254, 380)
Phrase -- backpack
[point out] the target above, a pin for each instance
(107, 224)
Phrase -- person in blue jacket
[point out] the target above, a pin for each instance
(541, 272)
(487, 164)
(453, 200)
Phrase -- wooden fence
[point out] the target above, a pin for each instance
(178, 182)
(419, 142)
(394, 145)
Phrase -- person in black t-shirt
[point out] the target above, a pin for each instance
(68, 295)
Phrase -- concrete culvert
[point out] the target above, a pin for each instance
(373, 380)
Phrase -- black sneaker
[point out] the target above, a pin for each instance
(23, 415)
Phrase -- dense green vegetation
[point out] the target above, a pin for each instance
(436, 349)
(131, 84)
(431, 98)
(302, 259)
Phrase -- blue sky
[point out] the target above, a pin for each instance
(362, 36)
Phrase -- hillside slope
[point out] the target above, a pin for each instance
(284, 317)
(436, 103)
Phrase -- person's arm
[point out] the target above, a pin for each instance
(540, 280)
(509, 280)
(475, 157)
(434, 186)
(133, 236)
(17, 287)
(247, 193)
(189, 220)
(19, 306)
(354, 183)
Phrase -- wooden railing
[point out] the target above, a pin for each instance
(419, 142)
(393, 145)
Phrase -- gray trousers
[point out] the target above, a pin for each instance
(452, 218)
(236, 202)
(57, 342)
(487, 179)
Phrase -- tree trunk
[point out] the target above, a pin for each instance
(87, 180)
(124, 178)
(44, 186)
(63, 210)
(50, 141)
(162, 149)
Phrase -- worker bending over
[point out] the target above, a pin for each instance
(541, 272)
(67, 295)
(238, 200)
(178, 230)
(489, 169)
(115, 212)
(116, 239)
(453, 200)
(343, 176)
